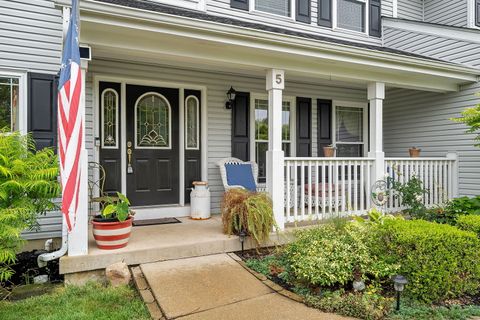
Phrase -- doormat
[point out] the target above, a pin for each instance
(149, 222)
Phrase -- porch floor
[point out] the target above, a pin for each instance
(191, 238)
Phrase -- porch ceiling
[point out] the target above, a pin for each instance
(159, 38)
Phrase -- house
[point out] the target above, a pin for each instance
(370, 77)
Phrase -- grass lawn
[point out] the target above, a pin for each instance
(88, 302)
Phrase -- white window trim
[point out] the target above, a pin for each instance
(335, 20)
(197, 125)
(471, 15)
(251, 9)
(352, 104)
(169, 121)
(103, 118)
(293, 123)
(22, 97)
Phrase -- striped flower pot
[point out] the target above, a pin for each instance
(112, 235)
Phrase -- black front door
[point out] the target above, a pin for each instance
(152, 145)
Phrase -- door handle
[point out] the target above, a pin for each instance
(129, 157)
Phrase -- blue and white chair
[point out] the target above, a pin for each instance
(236, 173)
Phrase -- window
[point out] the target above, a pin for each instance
(192, 123)
(350, 129)
(152, 122)
(260, 142)
(280, 7)
(109, 119)
(351, 15)
(9, 103)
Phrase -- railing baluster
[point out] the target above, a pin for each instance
(330, 187)
(324, 178)
(336, 188)
(302, 190)
(295, 191)
(430, 183)
(309, 189)
(355, 187)
(287, 190)
(317, 185)
(368, 185)
(362, 186)
(349, 192)
(342, 192)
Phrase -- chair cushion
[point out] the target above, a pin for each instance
(240, 175)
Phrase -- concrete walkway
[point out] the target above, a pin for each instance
(218, 287)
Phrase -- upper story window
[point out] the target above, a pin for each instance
(280, 7)
(9, 103)
(351, 14)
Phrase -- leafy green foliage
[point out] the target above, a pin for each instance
(453, 209)
(440, 261)
(328, 256)
(249, 212)
(416, 311)
(410, 194)
(117, 208)
(375, 217)
(91, 301)
(471, 118)
(370, 306)
(28, 183)
(469, 223)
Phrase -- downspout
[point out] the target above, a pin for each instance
(44, 258)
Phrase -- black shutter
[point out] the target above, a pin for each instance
(477, 13)
(375, 12)
(325, 13)
(241, 127)
(42, 109)
(239, 4)
(304, 127)
(324, 124)
(303, 11)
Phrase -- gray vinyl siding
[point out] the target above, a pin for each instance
(222, 8)
(463, 52)
(410, 9)
(30, 35)
(387, 8)
(452, 12)
(219, 119)
(422, 119)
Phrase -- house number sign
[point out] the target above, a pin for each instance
(275, 79)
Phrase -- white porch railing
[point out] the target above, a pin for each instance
(439, 177)
(322, 188)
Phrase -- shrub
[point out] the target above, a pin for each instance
(469, 223)
(28, 182)
(328, 256)
(358, 305)
(248, 211)
(439, 260)
(411, 195)
(449, 213)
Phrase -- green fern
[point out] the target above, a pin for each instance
(28, 183)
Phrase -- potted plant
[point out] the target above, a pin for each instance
(329, 151)
(112, 228)
(414, 152)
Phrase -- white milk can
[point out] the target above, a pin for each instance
(200, 201)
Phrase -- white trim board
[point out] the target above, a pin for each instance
(97, 78)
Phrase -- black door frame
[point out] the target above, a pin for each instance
(182, 88)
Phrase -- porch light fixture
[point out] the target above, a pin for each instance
(399, 283)
(242, 236)
(231, 94)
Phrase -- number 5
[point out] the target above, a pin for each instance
(279, 79)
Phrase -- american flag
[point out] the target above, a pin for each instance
(70, 120)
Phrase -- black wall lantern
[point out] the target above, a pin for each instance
(231, 94)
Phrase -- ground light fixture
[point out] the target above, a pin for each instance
(399, 283)
(231, 94)
(242, 236)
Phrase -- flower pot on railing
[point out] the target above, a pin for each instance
(329, 152)
(414, 152)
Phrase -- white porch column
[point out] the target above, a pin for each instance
(78, 238)
(376, 94)
(275, 167)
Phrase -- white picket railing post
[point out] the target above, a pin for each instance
(454, 174)
(275, 83)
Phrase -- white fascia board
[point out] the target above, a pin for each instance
(442, 31)
(258, 39)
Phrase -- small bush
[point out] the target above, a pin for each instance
(248, 211)
(469, 223)
(328, 256)
(464, 205)
(439, 260)
(358, 305)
